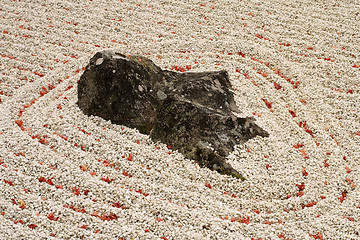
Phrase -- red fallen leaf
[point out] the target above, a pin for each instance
(147, 230)
(8, 182)
(39, 74)
(267, 222)
(288, 196)
(92, 173)
(277, 86)
(233, 195)
(84, 226)
(245, 220)
(322, 197)
(19, 221)
(76, 190)
(241, 54)
(326, 164)
(69, 87)
(348, 170)
(32, 226)
(107, 179)
(301, 186)
(49, 181)
(51, 217)
(300, 194)
(126, 174)
(164, 238)
(42, 179)
(304, 172)
(207, 185)
(80, 210)
(257, 211)
(86, 192)
(267, 103)
(20, 123)
(311, 204)
(309, 132)
(343, 196)
(130, 157)
(298, 145)
(350, 91)
(317, 236)
(118, 205)
(248, 77)
(293, 113)
(268, 166)
(59, 186)
(106, 163)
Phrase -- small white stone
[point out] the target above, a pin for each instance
(99, 61)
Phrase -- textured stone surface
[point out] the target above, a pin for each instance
(192, 112)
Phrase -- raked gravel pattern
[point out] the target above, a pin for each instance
(294, 66)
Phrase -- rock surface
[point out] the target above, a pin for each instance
(192, 112)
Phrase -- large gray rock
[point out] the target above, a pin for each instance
(192, 112)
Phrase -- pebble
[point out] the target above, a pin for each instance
(66, 175)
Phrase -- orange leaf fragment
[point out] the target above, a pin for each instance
(304, 172)
(83, 167)
(302, 100)
(92, 173)
(22, 204)
(303, 153)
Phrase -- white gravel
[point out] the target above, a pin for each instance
(64, 175)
